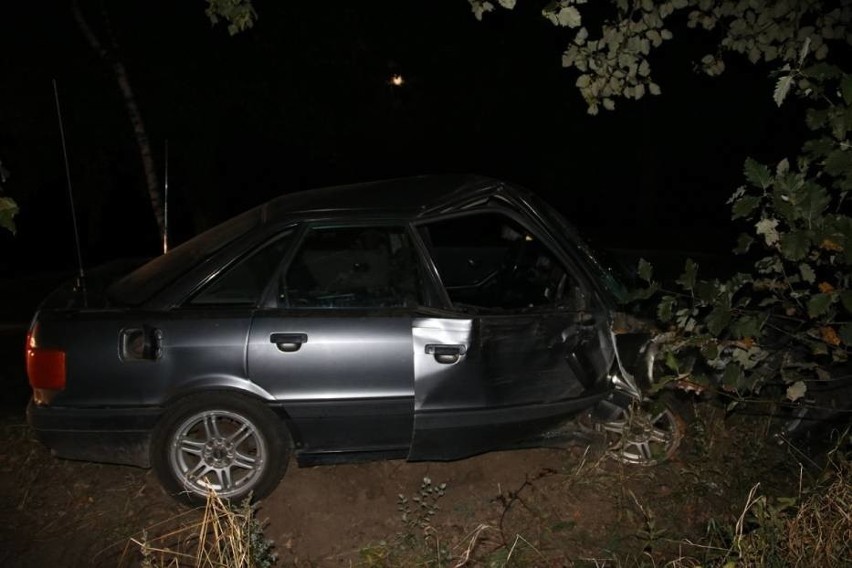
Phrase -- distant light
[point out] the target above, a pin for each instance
(397, 80)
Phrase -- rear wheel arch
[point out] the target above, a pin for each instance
(280, 409)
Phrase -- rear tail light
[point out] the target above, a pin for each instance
(45, 368)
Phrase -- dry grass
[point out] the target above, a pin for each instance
(819, 533)
(223, 536)
(813, 529)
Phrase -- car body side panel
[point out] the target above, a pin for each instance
(203, 348)
(348, 387)
(518, 374)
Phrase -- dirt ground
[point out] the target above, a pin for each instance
(540, 507)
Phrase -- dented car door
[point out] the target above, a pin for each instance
(523, 343)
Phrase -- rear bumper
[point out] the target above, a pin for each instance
(108, 435)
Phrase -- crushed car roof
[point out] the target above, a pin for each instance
(403, 197)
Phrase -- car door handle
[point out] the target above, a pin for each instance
(446, 354)
(288, 342)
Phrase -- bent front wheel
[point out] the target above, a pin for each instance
(643, 434)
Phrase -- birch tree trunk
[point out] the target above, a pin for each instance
(110, 56)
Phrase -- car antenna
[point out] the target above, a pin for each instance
(166, 202)
(81, 275)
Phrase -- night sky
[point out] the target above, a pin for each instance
(303, 100)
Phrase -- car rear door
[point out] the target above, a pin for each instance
(334, 347)
(524, 344)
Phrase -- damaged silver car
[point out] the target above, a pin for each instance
(426, 318)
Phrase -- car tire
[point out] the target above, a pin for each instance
(222, 443)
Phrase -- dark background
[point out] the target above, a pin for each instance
(302, 100)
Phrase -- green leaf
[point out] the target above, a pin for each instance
(783, 205)
(838, 162)
(846, 300)
(641, 294)
(819, 148)
(846, 89)
(795, 245)
(707, 291)
(815, 199)
(822, 71)
(757, 174)
(8, 210)
(239, 14)
(744, 242)
(744, 206)
(788, 183)
(710, 351)
(818, 304)
(671, 361)
(808, 274)
(769, 265)
(846, 334)
(749, 358)
(806, 46)
(768, 228)
(645, 270)
(816, 118)
(747, 326)
(733, 375)
(690, 271)
(737, 281)
(717, 320)
(565, 16)
(782, 87)
(665, 307)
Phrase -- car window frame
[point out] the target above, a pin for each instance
(589, 289)
(427, 286)
(248, 250)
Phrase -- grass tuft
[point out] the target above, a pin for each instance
(224, 535)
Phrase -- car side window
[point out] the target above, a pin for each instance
(488, 261)
(243, 283)
(352, 267)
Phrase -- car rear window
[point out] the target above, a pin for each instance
(144, 282)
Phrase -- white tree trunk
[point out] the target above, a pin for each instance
(136, 122)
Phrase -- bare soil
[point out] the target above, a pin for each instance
(541, 507)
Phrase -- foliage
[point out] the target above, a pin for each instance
(419, 543)
(8, 210)
(790, 317)
(239, 14)
(616, 64)
(8, 207)
(417, 513)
